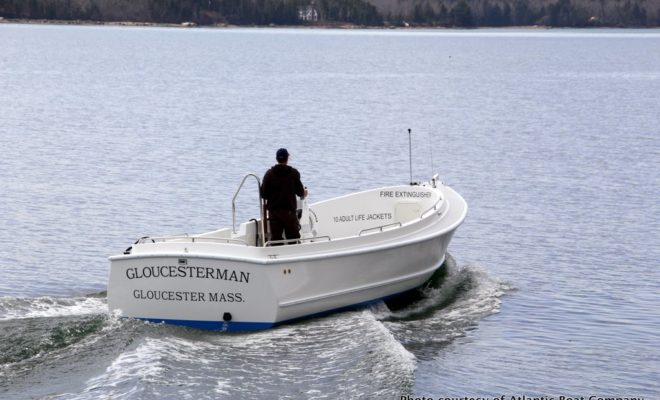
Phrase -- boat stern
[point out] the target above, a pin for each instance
(197, 292)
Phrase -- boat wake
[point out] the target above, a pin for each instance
(50, 341)
(447, 307)
(60, 348)
(71, 348)
(303, 360)
(25, 307)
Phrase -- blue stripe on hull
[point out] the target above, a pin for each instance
(233, 326)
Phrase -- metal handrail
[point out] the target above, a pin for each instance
(433, 207)
(261, 206)
(192, 239)
(287, 241)
(380, 227)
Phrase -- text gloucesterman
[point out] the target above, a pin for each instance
(187, 271)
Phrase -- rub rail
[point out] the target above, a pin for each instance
(380, 228)
(192, 239)
(433, 207)
(296, 241)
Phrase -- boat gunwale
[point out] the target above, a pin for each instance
(280, 259)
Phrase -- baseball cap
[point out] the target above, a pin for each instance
(282, 154)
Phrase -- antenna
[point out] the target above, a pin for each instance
(431, 149)
(410, 153)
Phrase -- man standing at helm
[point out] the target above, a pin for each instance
(281, 185)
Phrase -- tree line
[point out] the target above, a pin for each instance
(558, 13)
(443, 13)
(201, 12)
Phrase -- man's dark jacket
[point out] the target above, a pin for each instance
(280, 186)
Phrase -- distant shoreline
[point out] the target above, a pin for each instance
(348, 26)
(188, 25)
(26, 21)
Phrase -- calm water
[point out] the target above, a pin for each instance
(553, 137)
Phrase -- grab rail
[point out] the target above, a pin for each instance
(192, 239)
(433, 207)
(398, 224)
(287, 241)
(261, 206)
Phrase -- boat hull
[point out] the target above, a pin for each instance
(227, 295)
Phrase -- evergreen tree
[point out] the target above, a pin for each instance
(461, 15)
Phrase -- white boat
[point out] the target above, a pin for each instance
(354, 250)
